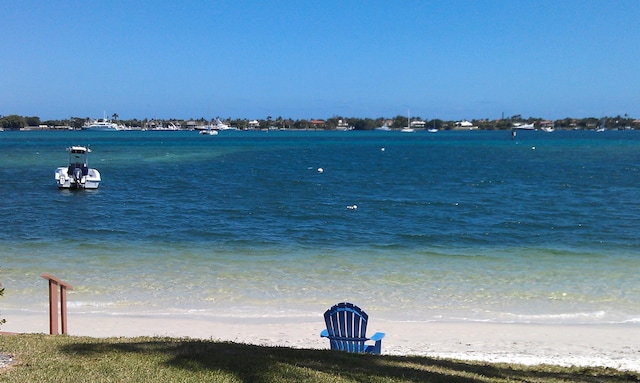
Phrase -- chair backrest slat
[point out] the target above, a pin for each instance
(347, 327)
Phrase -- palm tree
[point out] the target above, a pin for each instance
(115, 117)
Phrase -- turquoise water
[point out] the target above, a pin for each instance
(449, 226)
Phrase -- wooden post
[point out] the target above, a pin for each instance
(53, 303)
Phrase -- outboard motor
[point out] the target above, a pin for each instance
(77, 176)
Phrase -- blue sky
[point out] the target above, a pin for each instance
(451, 60)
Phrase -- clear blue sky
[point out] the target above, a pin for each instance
(317, 59)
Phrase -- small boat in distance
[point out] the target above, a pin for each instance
(209, 131)
(214, 128)
(433, 129)
(523, 126)
(101, 125)
(408, 128)
(77, 175)
(222, 126)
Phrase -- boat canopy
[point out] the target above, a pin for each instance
(78, 155)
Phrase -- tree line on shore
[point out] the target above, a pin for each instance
(16, 122)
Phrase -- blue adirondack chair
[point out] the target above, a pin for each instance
(347, 328)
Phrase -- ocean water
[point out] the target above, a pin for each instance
(452, 226)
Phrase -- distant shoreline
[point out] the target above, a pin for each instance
(397, 123)
(138, 129)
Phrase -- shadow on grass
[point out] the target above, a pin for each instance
(251, 363)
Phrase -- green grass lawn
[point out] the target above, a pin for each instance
(46, 358)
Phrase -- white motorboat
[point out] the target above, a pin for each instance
(209, 131)
(523, 126)
(222, 126)
(343, 125)
(101, 125)
(77, 175)
(214, 128)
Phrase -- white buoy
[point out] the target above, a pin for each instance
(352, 207)
(320, 170)
(382, 149)
(533, 148)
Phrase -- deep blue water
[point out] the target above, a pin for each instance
(449, 226)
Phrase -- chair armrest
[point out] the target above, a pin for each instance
(377, 348)
(377, 336)
(324, 333)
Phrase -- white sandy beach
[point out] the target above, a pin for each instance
(616, 346)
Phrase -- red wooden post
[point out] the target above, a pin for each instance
(53, 303)
(53, 306)
(63, 308)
